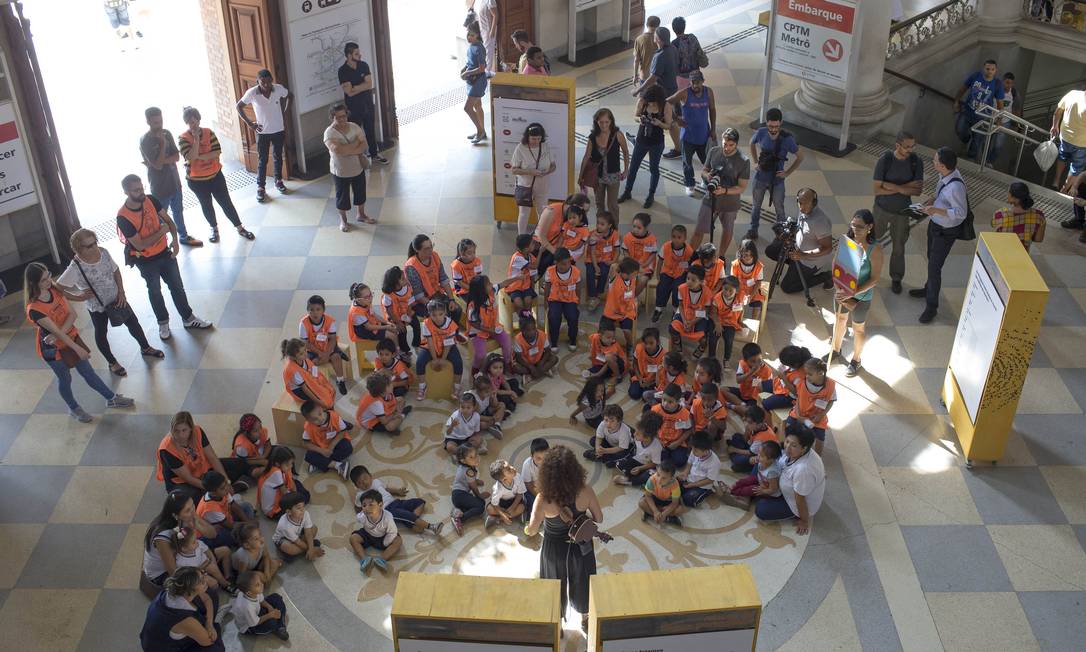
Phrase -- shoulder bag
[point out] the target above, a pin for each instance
(522, 195)
(117, 315)
(966, 230)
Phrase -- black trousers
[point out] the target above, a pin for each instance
(263, 143)
(347, 186)
(791, 282)
(215, 187)
(365, 119)
(101, 329)
(940, 242)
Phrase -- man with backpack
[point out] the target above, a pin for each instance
(691, 59)
(951, 218)
(899, 176)
(769, 150)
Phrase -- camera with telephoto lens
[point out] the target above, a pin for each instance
(717, 179)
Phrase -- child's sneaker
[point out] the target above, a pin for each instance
(342, 387)
(364, 564)
(312, 469)
(458, 521)
(646, 517)
(421, 394)
(436, 528)
(239, 486)
(656, 312)
(456, 392)
(80, 415)
(740, 502)
(586, 374)
(572, 347)
(590, 454)
(380, 563)
(622, 480)
(496, 431)
(674, 520)
(344, 468)
(488, 522)
(554, 350)
(482, 448)
(283, 634)
(120, 401)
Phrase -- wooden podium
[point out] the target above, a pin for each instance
(997, 331)
(462, 613)
(706, 609)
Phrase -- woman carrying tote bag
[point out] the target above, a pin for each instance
(93, 275)
(531, 163)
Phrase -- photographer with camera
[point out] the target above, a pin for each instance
(726, 174)
(770, 147)
(807, 242)
(654, 115)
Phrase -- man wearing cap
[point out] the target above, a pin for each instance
(695, 107)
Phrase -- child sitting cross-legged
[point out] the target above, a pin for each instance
(753, 375)
(467, 498)
(378, 409)
(765, 481)
(191, 551)
(251, 444)
(295, 534)
(662, 501)
(672, 372)
(743, 447)
(648, 359)
(613, 439)
(276, 481)
(508, 389)
(463, 427)
(252, 553)
(326, 439)
(636, 466)
(406, 511)
(591, 402)
(699, 478)
(708, 412)
(677, 426)
(256, 613)
(507, 497)
(606, 357)
(378, 531)
(531, 356)
(491, 411)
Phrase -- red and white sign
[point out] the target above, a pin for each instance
(812, 39)
(16, 180)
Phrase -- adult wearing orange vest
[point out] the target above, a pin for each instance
(185, 455)
(548, 230)
(144, 225)
(427, 278)
(200, 148)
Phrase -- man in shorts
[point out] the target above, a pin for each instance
(117, 13)
(726, 164)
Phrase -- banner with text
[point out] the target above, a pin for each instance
(16, 180)
(813, 40)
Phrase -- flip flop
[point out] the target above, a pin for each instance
(118, 371)
(369, 220)
(152, 352)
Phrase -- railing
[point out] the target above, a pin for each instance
(924, 88)
(994, 123)
(908, 34)
(1041, 104)
(1070, 13)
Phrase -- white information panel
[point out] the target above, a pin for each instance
(316, 33)
(417, 645)
(812, 39)
(975, 339)
(16, 180)
(736, 640)
(511, 118)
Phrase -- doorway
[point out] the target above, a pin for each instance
(427, 55)
(99, 81)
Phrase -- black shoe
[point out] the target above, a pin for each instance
(342, 387)
(672, 153)
(645, 516)
(648, 202)
(674, 520)
(918, 293)
(240, 487)
(590, 454)
(827, 281)
(895, 287)
(853, 369)
(928, 315)
(261, 195)
(214, 236)
(1073, 224)
(384, 161)
(656, 314)
(625, 196)
(407, 410)
(751, 235)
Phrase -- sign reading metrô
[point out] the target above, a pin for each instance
(16, 180)
(813, 40)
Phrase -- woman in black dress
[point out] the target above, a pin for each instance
(563, 496)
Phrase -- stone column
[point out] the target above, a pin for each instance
(871, 103)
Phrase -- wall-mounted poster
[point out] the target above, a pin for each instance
(16, 179)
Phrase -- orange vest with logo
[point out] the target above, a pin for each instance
(728, 313)
(713, 275)
(56, 310)
(486, 316)
(441, 337)
(751, 388)
(643, 250)
(312, 378)
(676, 263)
(573, 235)
(389, 401)
(280, 491)
(606, 246)
(692, 307)
(806, 401)
(397, 305)
(621, 302)
(647, 366)
(354, 311)
(750, 287)
(563, 290)
(397, 373)
(598, 352)
(259, 448)
(532, 352)
(462, 273)
(430, 274)
(319, 335)
(675, 424)
(664, 378)
(524, 277)
(321, 435)
(200, 169)
(220, 506)
(196, 463)
(701, 414)
(145, 221)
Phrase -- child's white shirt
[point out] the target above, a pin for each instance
(528, 470)
(384, 528)
(651, 453)
(246, 610)
(288, 530)
(379, 487)
(701, 469)
(501, 492)
(619, 438)
(465, 428)
(194, 559)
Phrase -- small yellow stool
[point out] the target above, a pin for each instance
(650, 292)
(360, 349)
(348, 368)
(288, 421)
(439, 384)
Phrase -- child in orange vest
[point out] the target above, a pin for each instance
(575, 235)
(677, 426)
(276, 481)
(301, 377)
(673, 261)
(440, 336)
(672, 372)
(531, 357)
(790, 363)
(691, 320)
(397, 303)
(640, 244)
(602, 251)
(743, 446)
(378, 409)
(523, 271)
(753, 375)
(606, 357)
(326, 439)
(318, 330)
(483, 324)
(749, 270)
(708, 412)
(222, 508)
(251, 443)
(715, 269)
(365, 323)
(647, 361)
(400, 375)
(465, 267)
(727, 317)
(620, 308)
(563, 301)
(815, 395)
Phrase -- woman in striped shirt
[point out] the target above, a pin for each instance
(201, 150)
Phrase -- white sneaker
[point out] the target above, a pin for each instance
(690, 192)
(554, 350)
(164, 330)
(195, 322)
(343, 468)
(421, 394)
(572, 347)
(586, 374)
(312, 469)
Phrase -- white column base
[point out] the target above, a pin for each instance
(826, 104)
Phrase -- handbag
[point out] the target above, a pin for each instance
(117, 314)
(966, 230)
(703, 59)
(522, 195)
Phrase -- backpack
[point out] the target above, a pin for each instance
(967, 231)
(687, 47)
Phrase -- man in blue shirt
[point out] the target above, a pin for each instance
(769, 150)
(947, 210)
(982, 88)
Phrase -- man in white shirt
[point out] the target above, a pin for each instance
(270, 102)
(947, 210)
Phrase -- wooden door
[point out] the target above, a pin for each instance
(513, 15)
(637, 18)
(386, 87)
(253, 41)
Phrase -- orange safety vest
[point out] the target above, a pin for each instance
(319, 335)
(643, 250)
(675, 263)
(647, 366)
(280, 491)
(259, 448)
(764, 434)
(200, 169)
(563, 290)
(750, 287)
(398, 305)
(312, 378)
(728, 313)
(701, 415)
(486, 315)
(354, 311)
(442, 337)
(621, 302)
(464, 272)
(713, 276)
(221, 506)
(398, 372)
(675, 423)
(606, 247)
(554, 232)
(748, 390)
(807, 401)
(56, 310)
(389, 401)
(573, 235)
(321, 435)
(598, 352)
(795, 375)
(146, 221)
(690, 311)
(524, 276)
(197, 462)
(430, 274)
(532, 352)
(663, 379)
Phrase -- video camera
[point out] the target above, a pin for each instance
(786, 231)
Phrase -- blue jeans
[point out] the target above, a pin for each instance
(423, 358)
(596, 277)
(154, 273)
(776, 196)
(556, 310)
(1075, 155)
(668, 287)
(639, 152)
(963, 125)
(177, 212)
(341, 452)
(64, 381)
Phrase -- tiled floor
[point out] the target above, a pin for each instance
(910, 551)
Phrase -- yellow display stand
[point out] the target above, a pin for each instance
(682, 610)
(515, 102)
(997, 331)
(458, 613)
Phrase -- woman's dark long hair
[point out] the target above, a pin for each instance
(416, 244)
(869, 219)
(478, 291)
(561, 477)
(596, 122)
(654, 95)
(167, 518)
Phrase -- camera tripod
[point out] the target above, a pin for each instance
(788, 245)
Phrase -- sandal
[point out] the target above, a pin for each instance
(152, 352)
(343, 226)
(700, 350)
(245, 233)
(367, 219)
(118, 370)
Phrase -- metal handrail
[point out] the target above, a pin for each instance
(924, 88)
(993, 124)
(935, 22)
(909, 22)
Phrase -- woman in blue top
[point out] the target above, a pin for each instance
(182, 617)
(862, 231)
(474, 74)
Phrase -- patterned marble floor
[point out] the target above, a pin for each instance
(909, 548)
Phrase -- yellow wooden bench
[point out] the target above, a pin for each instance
(439, 384)
(752, 330)
(288, 420)
(348, 368)
(361, 347)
